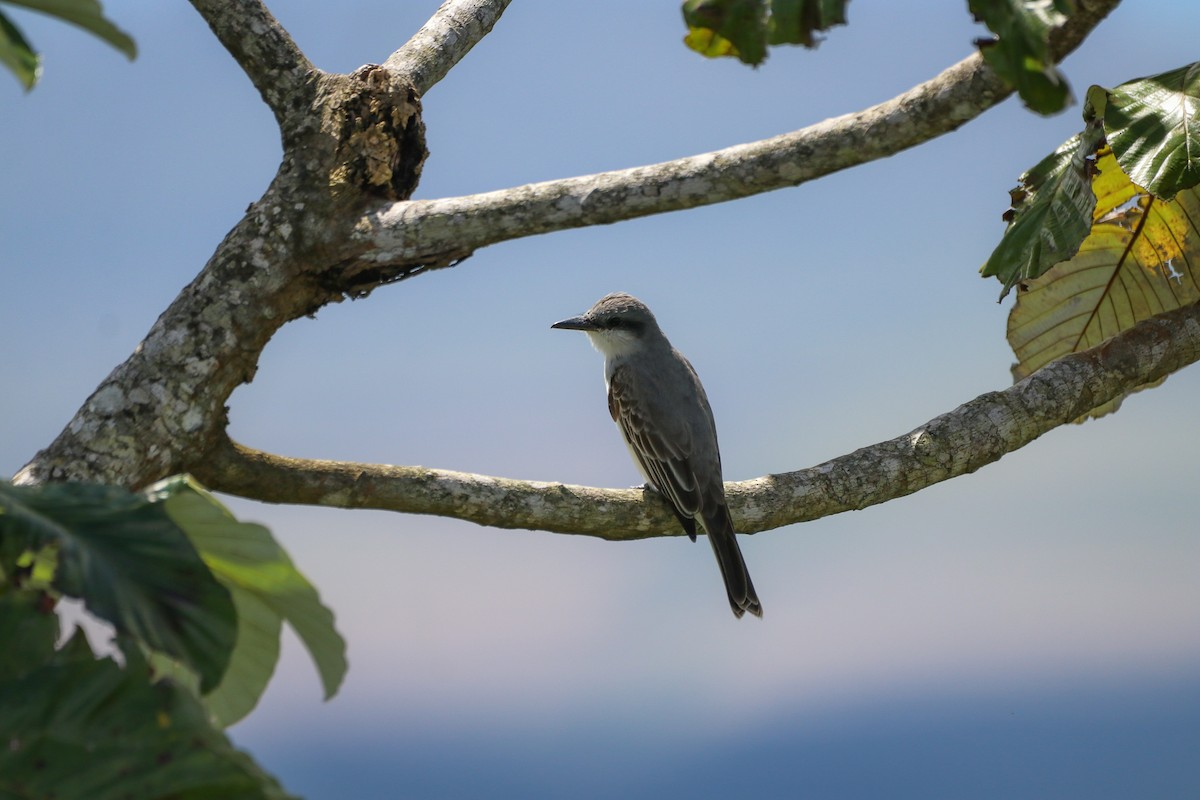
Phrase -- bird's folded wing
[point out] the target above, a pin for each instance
(661, 444)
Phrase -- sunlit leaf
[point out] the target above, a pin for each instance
(78, 727)
(727, 27)
(707, 43)
(1153, 127)
(130, 564)
(268, 590)
(1020, 53)
(1139, 260)
(1051, 212)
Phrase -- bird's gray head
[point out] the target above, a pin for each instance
(618, 325)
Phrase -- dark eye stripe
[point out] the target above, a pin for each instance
(624, 323)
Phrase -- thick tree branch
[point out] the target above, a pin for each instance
(955, 443)
(158, 406)
(417, 232)
(164, 407)
(356, 141)
(456, 27)
(266, 52)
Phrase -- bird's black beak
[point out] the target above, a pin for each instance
(580, 323)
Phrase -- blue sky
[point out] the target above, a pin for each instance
(1029, 630)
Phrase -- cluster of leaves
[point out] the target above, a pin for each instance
(19, 56)
(1103, 232)
(1018, 50)
(744, 28)
(196, 600)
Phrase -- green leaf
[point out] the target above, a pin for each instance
(28, 628)
(1153, 127)
(1139, 259)
(797, 21)
(18, 55)
(124, 557)
(254, 660)
(744, 28)
(87, 14)
(267, 588)
(1020, 53)
(727, 27)
(79, 727)
(250, 669)
(1051, 212)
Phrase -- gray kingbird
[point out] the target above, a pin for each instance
(657, 401)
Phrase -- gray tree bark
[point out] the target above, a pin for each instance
(336, 222)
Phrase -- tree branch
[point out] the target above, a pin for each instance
(165, 403)
(266, 52)
(421, 231)
(455, 28)
(350, 140)
(955, 443)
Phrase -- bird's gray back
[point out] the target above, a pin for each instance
(666, 409)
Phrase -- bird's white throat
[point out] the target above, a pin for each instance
(614, 344)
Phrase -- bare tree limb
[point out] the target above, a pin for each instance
(265, 51)
(456, 27)
(422, 230)
(955, 443)
(356, 141)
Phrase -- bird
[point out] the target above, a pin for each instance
(660, 407)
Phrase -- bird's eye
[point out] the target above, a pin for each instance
(612, 322)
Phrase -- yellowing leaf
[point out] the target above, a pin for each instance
(1139, 260)
(707, 43)
(727, 27)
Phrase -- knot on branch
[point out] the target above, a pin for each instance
(376, 121)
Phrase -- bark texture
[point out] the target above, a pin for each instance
(336, 221)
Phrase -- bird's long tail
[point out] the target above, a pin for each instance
(738, 586)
